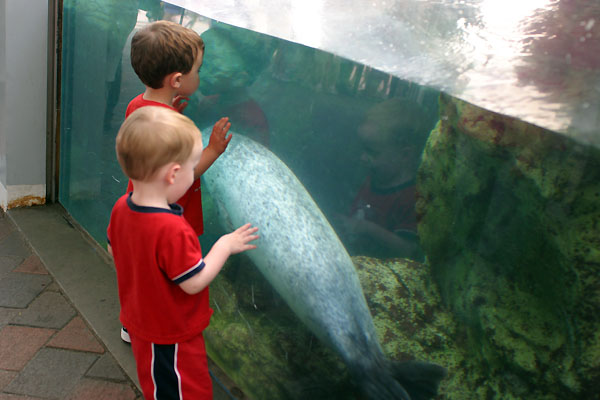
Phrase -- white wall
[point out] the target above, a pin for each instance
(23, 96)
(3, 194)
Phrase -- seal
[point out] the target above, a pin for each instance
(301, 256)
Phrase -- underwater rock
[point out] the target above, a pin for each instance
(409, 319)
(509, 216)
(257, 340)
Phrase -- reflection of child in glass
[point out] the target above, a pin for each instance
(162, 276)
(236, 60)
(382, 220)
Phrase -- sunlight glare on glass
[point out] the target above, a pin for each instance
(502, 21)
(306, 20)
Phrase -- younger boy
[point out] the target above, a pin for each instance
(162, 277)
(167, 58)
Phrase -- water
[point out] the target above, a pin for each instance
(536, 60)
(474, 235)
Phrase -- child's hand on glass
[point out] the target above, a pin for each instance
(218, 137)
(239, 240)
(180, 103)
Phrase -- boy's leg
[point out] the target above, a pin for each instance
(173, 371)
(193, 369)
(142, 352)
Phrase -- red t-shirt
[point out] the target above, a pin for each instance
(154, 250)
(191, 201)
(393, 209)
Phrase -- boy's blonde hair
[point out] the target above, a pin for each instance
(161, 48)
(152, 137)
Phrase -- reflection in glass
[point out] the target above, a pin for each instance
(471, 49)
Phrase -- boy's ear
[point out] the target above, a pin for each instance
(172, 172)
(174, 79)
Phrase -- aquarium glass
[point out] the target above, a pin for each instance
(537, 60)
(424, 175)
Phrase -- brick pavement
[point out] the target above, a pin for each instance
(47, 351)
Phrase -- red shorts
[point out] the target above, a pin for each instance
(173, 371)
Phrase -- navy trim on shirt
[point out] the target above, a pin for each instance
(174, 208)
(188, 274)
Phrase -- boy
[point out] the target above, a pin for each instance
(162, 277)
(167, 58)
(383, 220)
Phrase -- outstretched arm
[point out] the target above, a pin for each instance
(216, 146)
(232, 243)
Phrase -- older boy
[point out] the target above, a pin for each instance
(167, 58)
(162, 277)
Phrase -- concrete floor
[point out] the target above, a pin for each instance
(85, 274)
(47, 350)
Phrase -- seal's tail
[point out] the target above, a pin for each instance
(420, 379)
(409, 380)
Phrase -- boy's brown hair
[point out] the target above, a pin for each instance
(161, 48)
(152, 137)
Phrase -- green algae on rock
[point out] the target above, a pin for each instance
(269, 353)
(508, 220)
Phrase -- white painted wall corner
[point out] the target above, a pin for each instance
(23, 196)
